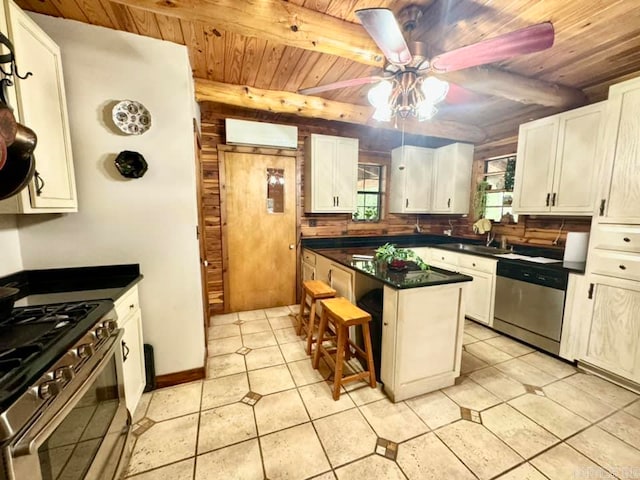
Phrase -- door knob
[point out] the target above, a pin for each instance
(291, 246)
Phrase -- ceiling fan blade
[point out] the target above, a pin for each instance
(461, 95)
(354, 82)
(526, 40)
(381, 24)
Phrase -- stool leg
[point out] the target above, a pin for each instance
(320, 338)
(337, 381)
(369, 352)
(301, 312)
(310, 324)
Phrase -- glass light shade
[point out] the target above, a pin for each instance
(434, 90)
(378, 96)
(382, 113)
(425, 110)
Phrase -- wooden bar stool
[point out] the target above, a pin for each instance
(314, 290)
(344, 314)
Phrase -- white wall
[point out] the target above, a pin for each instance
(10, 256)
(152, 220)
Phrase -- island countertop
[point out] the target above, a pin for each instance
(379, 271)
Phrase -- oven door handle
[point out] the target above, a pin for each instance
(39, 432)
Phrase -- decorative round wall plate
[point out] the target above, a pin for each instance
(131, 117)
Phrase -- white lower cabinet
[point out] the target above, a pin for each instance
(613, 341)
(478, 302)
(480, 293)
(308, 266)
(421, 339)
(341, 280)
(130, 319)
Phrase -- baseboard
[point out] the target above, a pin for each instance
(177, 378)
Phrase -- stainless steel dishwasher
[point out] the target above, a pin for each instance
(530, 303)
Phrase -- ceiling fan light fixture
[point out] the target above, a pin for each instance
(382, 114)
(378, 96)
(434, 90)
(425, 110)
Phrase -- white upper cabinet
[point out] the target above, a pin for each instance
(39, 102)
(619, 200)
(330, 174)
(425, 180)
(411, 179)
(452, 175)
(558, 163)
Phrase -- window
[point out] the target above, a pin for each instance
(369, 203)
(497, 185)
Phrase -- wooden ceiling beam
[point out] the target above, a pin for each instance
(317, 107)
(276, 20)
(289, 24)
(529, 91)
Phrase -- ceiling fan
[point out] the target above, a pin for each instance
(407, 85)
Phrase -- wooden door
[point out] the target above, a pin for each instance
(260, 235)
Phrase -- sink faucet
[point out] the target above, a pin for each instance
(490, 238)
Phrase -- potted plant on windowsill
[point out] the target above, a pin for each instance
(399, 258)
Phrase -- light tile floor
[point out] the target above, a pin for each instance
(265, 413)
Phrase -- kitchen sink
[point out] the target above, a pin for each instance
(464, 247)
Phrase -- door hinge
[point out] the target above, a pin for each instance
(602, 204)
(590, 294)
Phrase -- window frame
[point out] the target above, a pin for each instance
(500, 178)
(379, 193)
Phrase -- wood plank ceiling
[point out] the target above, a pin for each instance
(597, 43)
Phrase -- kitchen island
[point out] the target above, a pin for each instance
(422, 320)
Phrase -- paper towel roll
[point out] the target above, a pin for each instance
(576, 248)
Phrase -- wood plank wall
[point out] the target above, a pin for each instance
(529, 230)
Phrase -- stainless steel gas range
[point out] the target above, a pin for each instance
(62, 409)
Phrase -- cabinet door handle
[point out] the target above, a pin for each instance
(590, 293)
(626, 239)
(406, 203)
(473, 264)
(125, 351)
(602, 203)
(622, 267)
(39, 183)
(449, 203)
(132, 306)
(329, 275)
(553, 199)
(337, 201)
(547, 200)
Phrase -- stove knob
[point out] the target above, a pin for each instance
(102, 333)
(49, 389)
(85, 350)
(65, 373)
(110, 325)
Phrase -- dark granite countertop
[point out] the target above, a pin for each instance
(441, 241)
(57, 285)
(379, 271)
